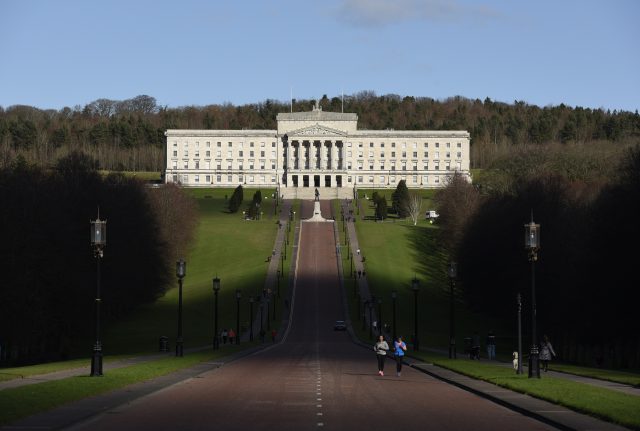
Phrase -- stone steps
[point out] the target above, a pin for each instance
(309, 192)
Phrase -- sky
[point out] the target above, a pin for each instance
(194, 52)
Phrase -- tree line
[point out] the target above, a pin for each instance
(129, 134)
(47, 262)
(585, 273)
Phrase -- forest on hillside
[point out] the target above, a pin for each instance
(129, 134)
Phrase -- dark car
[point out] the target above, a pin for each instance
(340, 325)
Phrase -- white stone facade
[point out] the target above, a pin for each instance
(315, 150)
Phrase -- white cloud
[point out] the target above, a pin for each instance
(373, 13)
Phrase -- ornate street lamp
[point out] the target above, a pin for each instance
(216, 289)
(453, 274)
(98, 241)
(519, 301)
(238, 296)
(415, 286)
(532, 245)
(394, 297)
(181, 272)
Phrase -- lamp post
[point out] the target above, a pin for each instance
(519, 300)
(216, 289)
(181, 272)
(532, 245)
(415, 286)
(98, 241)
(394, 296)
(238, 296)
(379, 316)
(370, 304)
(453, 273)
(250, 318)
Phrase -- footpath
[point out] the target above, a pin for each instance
(544, 411)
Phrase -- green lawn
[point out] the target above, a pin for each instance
(603, 403)
(626, 378)
(16, 403)
(224, 245)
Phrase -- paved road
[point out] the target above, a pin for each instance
(315, 379)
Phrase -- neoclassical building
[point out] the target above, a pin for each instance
(315, 149)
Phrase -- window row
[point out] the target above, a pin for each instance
(223, 179)
(196, 144)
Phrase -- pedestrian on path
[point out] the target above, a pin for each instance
(546, 352)
(225, 335)
(273, 335)
(475, 346)
(491, 346)
(381, 348)
(232, 335)
(398, 352)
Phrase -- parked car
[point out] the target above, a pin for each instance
(340, 325)
(432, 215)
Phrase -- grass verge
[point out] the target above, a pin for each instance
(625, 378)
(20, 402)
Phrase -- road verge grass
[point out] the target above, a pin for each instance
(20, 402)
(606, 404)
(626, 378)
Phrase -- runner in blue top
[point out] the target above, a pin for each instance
(399, 347)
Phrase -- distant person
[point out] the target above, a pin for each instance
(491, 346)
(232, 335)
(273, 335)
(381, 348)
(225, 335)
(475, 346)
(398, 352)
(546, 352)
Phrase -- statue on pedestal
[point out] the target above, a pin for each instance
(317, 195)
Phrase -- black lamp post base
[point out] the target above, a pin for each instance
(534, 362)
(96, 364)
(179, 349)
(452, 349)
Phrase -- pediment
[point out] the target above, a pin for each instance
(316, 130)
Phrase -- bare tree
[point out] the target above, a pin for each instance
(414, 206)
(457, 203)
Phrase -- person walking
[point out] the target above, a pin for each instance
(491, 346)
(232, 335)
(475, 346)
(398, 352)
(273, 335)
(225, 334)
(546, 352)
(381, 348)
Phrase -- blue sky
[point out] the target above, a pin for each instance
(71, 52)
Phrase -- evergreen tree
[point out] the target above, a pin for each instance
(236, 200)
(401, 199)
(381, 207)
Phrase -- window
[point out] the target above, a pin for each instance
(348, 165)
(349, 153)
(415, 166)
(360, 154)
(459, 145)
(382, 145)
(229, 145)
(208, 144)
(208, 179)
(393, 154)
(415, 154)
(261, 144)
(415, 145)
(360, 179)
(404, 145)
(458, 166)
(448, 155)
(175, 164)
(261, 153)
(273, 164)
(197, 164)
(349, 179)
(262, 164)
(382, 166)
(382, 155)
(360, 165)
(381, 179)
(240, 166)
(459, 154)
(175, 144)
(240, 178)
(273, 145)
(273, 178)
(370, 144)
(273, 154)
(251, 145)
(185, 179)
(437, 155)
(197, 144)
(415, 179)
(360, 146)
(425, 179)
(250, 164)
(426, 154)
(208, 153)
(393, 145)
(197, 179)
(437, 145)
(207, 164)
(371, 179)
(229, 178)
(197, 153)
(404, 166)
(240, 153)
(186, 164)
(230, 153)
(186, 152)
(250, 153)
(218, 144)
(404, 154)
(436, 167)
(218, 153)
(447, 166)
(448, 144)
(426, 145)
(251, 178)
(229, 164)
(436, 180)
(370, 165)
(218, 164)
(219, 178)
(175, 154)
